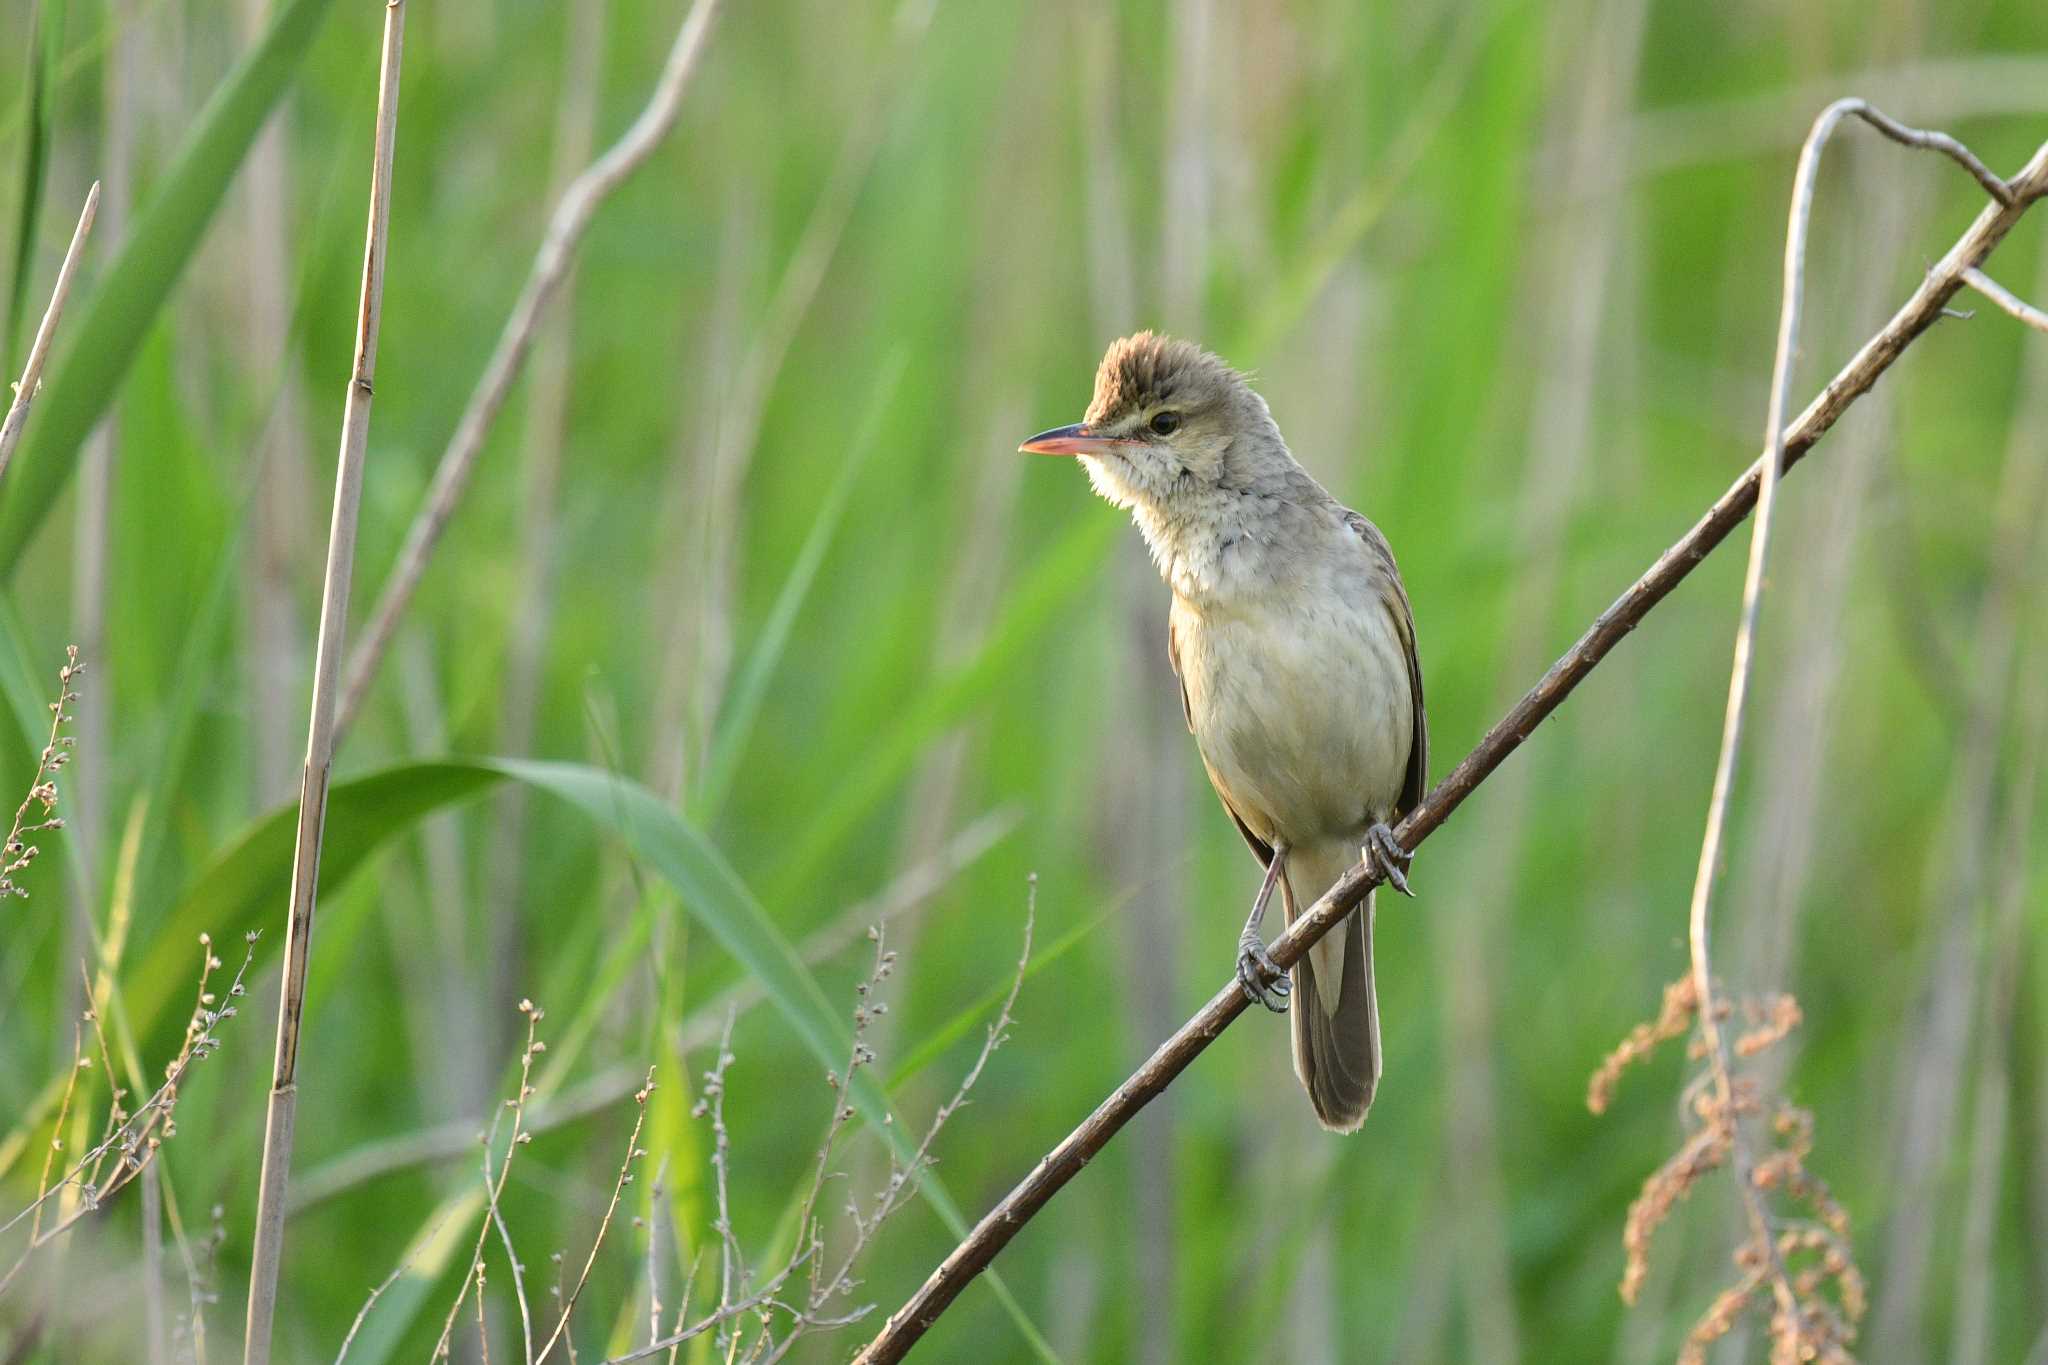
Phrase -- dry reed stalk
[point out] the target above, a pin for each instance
(268, 1250)
(1789, 806)
(1676, 138)
(1802, 1324)
(39, 351)
(572, 218)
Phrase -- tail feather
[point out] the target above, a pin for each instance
(1337, 1020)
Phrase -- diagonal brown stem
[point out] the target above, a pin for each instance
(572, 217)
(39, 349)
(1057, 1167)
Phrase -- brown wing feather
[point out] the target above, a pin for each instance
(1187, 712)
(1261, 850)
(1416, 781)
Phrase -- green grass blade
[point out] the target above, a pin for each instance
(184, 704)
(421, 1267)
(35, 152)
(709, 888)
(244, 886)
(1029, 613)
(718, 899)
(743, 704)
(166, 235)
(446, 1229)
(933, 1046)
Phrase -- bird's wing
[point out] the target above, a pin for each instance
(1395, 599)
(1261, 850)
(1187, 711)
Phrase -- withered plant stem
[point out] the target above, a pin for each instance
(268, 1250)
(39, 349)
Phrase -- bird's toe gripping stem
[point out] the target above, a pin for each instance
(1386, 856)
(1264, 981)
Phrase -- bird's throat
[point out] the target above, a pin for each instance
(1197, 542)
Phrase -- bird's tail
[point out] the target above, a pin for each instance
(1336, 1015)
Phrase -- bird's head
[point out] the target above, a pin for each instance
(1168, 419)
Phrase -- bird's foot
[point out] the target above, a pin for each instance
(1263, 980)
(1383, 852)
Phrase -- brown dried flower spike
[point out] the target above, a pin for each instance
(1787, 1270)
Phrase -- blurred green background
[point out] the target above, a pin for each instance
(1507, 274)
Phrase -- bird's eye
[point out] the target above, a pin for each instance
(1166, 423)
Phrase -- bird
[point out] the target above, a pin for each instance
(1292, 638)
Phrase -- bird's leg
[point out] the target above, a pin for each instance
(1384, 854)
(1264, 980)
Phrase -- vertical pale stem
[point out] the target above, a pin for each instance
(341, 540)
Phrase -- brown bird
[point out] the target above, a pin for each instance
(1294, 644)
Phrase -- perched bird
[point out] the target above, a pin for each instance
(1294, 644)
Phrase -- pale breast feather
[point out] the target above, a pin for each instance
(1261, 850)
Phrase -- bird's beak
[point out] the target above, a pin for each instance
(1073, 440)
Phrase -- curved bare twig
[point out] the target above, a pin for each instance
(1725, 1117)
(2006, 299)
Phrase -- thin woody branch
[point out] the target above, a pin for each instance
(2011, 200)
(1824, 126)
(2006, 299)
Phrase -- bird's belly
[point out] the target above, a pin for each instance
(1305, 730)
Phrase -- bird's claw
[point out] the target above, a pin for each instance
(1264, 981)
(1388, 858)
